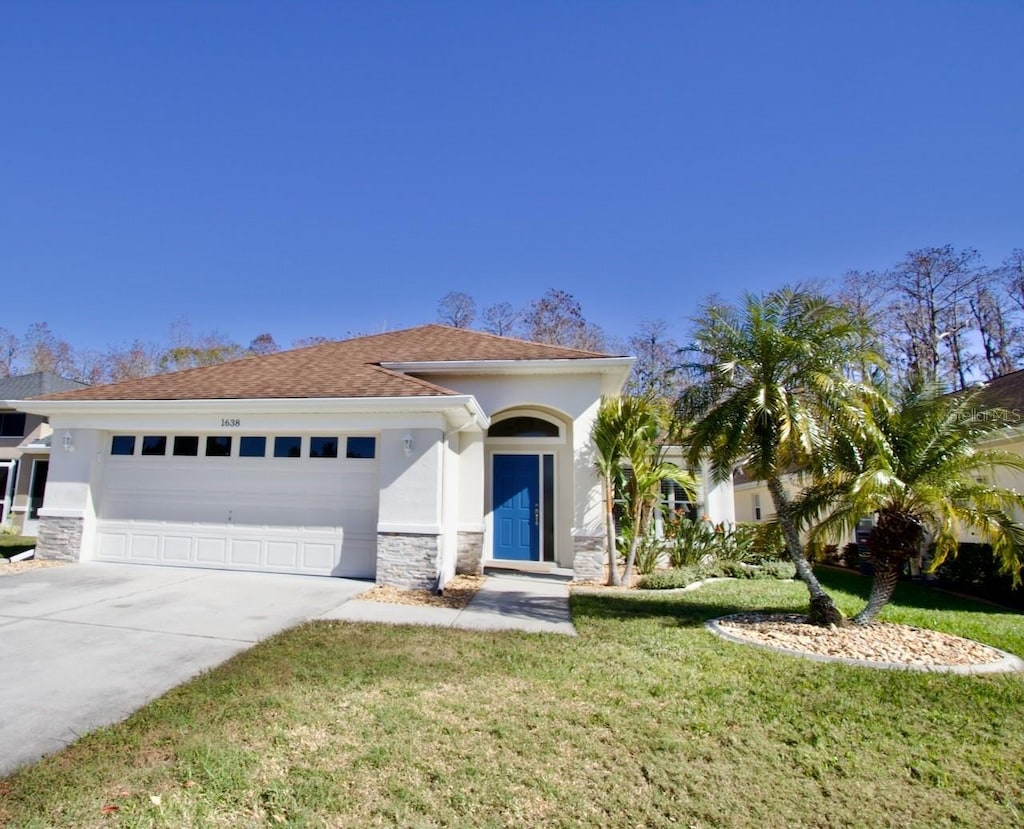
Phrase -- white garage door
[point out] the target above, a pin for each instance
(315, 516)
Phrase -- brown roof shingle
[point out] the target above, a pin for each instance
(345, 369)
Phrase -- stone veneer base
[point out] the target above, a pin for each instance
(470, 554)
(59, 539)
(408, 561)
(588, 557)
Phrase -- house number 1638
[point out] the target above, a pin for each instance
(228, 422)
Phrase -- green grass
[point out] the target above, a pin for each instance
(645, 719)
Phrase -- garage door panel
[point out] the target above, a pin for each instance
(211, 551)
(245, 553)
(282, 554)
(313, 516)
(177, 548)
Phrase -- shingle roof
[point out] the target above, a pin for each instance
(39, 383)
(344, 369)
(1006, 392)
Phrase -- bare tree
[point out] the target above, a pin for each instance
(866, 296)
(931, 288)
(998, 336)
(501, 319)
(557, 319)
(10, 351)
(456, 309)
(306, 342)
(263, 344)
(1011, 277)
(654, 372)
(131, 362)
(45, 352)
(188, 350)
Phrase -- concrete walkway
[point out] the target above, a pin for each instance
(504, 602)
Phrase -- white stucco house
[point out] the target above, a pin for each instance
(401, 457)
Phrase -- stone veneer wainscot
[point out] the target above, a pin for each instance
(588, 557)
(408, 561)
(59, 539)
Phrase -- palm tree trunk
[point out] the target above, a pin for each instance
(823, 610)
(609, 518)
(896, 536)
(887, 574)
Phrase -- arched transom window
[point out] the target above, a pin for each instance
(523, 427)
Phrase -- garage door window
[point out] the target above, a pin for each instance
(252, 447)
(154, 445)
(122, 445)
(323, 447)
(187, 445)
(218, 446)
(361, 448)
(287, 447)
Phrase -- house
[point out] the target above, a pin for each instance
(400, 457)
(1002, 398)
(25, 449)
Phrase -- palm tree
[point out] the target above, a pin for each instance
(770, 382)
(926, 476)
(628, 435)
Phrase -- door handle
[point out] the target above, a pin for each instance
(536, 516)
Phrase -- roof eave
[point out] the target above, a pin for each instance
(461, 409)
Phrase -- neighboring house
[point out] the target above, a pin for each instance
(25, 449)
(400, 457)
(752, 500)
(1002, 398)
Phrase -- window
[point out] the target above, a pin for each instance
(40, 469)
(674, 503)
(323, 447)
(523, 427)
(122, 445)
(757, 506)
(12, 425)
(218, 446)
(361, 448)
(290, 447)
(186, 445)
(154, 445)
(252, 447)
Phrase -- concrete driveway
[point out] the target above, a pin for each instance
(85, 645)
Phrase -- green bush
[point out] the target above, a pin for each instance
(648, 551)
(683, 576)
(975, 570)
(671, 579)
(688, 541)
(11, 545)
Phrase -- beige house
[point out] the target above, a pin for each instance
(753, 502)
(25, 450)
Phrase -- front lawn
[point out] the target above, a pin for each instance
(645, 719)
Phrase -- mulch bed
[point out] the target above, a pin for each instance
(880, 642)
(10, 568)
(457, 594)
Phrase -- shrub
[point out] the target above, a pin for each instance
(688, 541)
(648, 553)
(671, 579)
(975, 570)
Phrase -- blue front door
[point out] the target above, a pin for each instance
(517, 507)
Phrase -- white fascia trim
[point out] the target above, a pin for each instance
(410, 529)
(460, 409)
(585, 365)
(60, 512)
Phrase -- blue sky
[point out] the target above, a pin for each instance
(314, 168)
